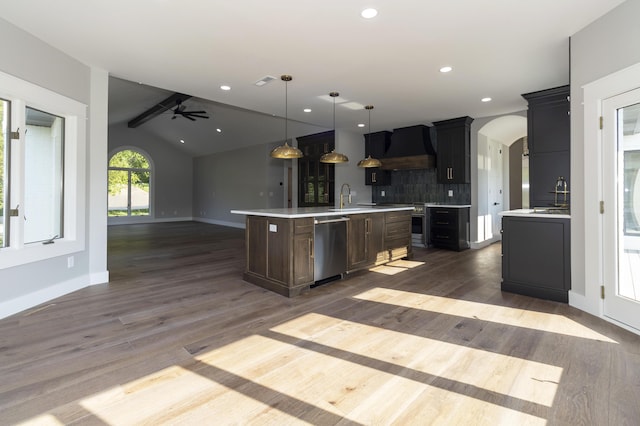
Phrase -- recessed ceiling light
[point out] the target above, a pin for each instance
(487, 99)
(219, 130)
(181, 140)
(369, 13)
(360, 124)
(445, 69)
(225, 87)
(307, 110)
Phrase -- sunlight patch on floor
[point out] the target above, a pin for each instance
(42, 420)
(534, 320)
(395, 267)
(431, 358)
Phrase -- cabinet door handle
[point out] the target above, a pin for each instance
(373, 177)
(310, 247)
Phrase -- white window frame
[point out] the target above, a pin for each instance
(22, 94)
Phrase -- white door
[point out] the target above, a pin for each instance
(494, 187)
(621, 218)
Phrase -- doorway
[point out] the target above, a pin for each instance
(621, 217)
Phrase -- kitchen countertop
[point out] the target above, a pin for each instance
(449, 206)
(299, 212)
(533, 213)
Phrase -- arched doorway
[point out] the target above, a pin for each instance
(494, 140)
(129, 185)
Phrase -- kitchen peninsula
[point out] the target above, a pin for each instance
(536, 253)
(290, 249)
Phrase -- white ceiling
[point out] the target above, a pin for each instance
(497, 48)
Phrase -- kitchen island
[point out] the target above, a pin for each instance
(536, 253)
(281, 244)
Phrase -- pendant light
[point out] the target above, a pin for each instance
(285, 151)
(333, 156)
(369, 162)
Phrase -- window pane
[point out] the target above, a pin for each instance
(4, 172)
(129, 160)
(44, 177)
(139, 193)
(118, 201)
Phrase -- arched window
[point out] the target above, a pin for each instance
(129, 184)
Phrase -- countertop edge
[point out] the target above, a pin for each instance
(316, 212)
(531, 213)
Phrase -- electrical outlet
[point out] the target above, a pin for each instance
(451, 193)
(382, 193)
(70, 261)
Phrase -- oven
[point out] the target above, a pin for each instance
(419, 227)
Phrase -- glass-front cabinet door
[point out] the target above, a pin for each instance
(315, 179)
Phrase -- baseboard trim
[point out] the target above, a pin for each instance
(99, 278)
(27, 301)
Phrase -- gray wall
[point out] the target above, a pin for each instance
(172, 171)
(246, 178)
(30, 59)
(607, 45)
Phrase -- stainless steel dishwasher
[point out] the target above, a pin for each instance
(330, 248)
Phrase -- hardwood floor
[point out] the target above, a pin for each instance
(178, 338)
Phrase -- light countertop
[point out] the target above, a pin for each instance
(298, 212)
(448, 206)
(534, 213)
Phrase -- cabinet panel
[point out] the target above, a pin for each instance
(536, 257)
(278, 249)
(375, 145)
(454, 150)
(316, 185)
(548, 130)
(256, 241)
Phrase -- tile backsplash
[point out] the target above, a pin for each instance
(413, 186)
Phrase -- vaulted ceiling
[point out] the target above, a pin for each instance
(498, 49)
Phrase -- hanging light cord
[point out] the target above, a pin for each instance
(286, 109)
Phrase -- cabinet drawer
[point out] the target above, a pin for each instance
(444, 235)
(443, 217)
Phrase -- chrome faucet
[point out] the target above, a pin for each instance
(341, 195)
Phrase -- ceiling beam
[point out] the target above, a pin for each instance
(158, 109)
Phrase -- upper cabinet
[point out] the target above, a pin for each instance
(453, 150)
(548, 129)
(315, 179)
(375, 145)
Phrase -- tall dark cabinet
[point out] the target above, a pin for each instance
(454, 150)
(375, 145)
(548, 129)
(315, 179)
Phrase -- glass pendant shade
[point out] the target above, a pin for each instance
(369, 162)
(286, 151)
(333, 156)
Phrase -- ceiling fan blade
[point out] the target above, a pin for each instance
(194, 112)
(198, 115)
(186, 116)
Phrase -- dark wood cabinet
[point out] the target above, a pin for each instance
(280, 253)
(316, 186)
(453, 156)
(397, 234)
(375, 145)
(365, 240)
(536, 257)
(548, 139)
(449, 227)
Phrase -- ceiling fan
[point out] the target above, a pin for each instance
(191, 115)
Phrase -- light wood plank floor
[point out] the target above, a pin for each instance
(178, 338)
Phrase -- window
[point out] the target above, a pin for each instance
(42, 171)
(129, 184)
(44, 176)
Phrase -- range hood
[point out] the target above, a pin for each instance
(411, 147)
